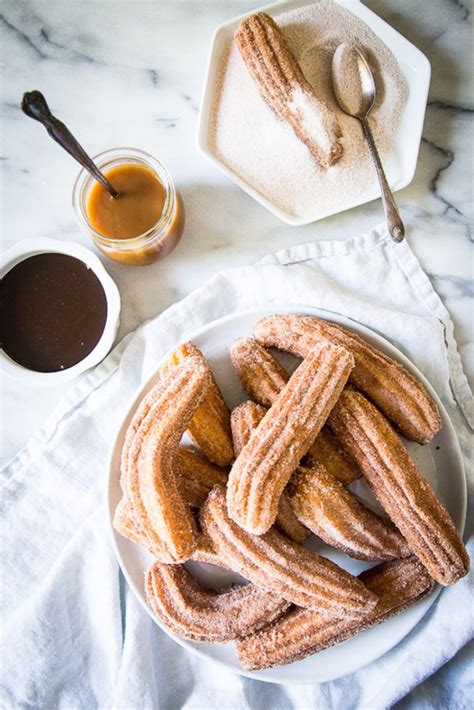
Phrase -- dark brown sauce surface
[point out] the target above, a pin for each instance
(52, 312)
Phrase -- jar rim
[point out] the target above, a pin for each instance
(114, 156)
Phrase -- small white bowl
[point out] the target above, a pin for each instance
(400, 164)
(31, 247)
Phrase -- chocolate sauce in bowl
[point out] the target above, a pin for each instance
(53, 311)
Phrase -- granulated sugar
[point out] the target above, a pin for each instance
(246, 135)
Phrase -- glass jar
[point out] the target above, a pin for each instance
(160, 239)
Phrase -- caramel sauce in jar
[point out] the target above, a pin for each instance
(145, 222)
(137, 208)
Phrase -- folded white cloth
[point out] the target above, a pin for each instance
(73, 634)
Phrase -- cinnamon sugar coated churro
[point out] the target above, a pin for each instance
(332, 513)
(300, 632)
(263, 467)
(210, 425)
(279, 565)
(260, 373)
(400, 396)
(205, 615)
(244, 419)
(266, 476)
(125, 525)
(327, 451)
(406, 496)
(283, 86)
(197, 476)
(152, 487)
(263, 378)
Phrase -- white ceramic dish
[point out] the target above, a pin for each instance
(400, 165)
(31, 247)
(440, 462)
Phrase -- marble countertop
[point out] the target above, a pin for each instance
(124, 72)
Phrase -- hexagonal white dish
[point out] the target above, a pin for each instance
(399, 165)
(440, 461)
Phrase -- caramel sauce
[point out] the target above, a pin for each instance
(137, 208)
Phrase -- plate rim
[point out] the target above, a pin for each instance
(141, 390)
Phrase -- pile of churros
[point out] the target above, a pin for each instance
(258, 481)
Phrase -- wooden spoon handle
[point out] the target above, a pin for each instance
(392, 215)
(34, 105)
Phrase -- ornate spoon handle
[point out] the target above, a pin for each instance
(392, 215)
(34, 105)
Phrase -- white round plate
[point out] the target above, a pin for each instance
(440, 461)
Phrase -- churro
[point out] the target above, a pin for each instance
(260, 373)
(262, 469)
(125, 524)
(332, 513)
(327, 451)
(263, 378)
(406, 496)
(152, 487)
(273, 562)
(243, 420)
(210, 426)
(199, 614)
(400, 396)
(301, 632)
(282, 84)
(197, 475)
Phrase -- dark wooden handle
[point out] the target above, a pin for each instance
(34, 105)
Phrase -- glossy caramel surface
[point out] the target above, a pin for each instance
(138, 207)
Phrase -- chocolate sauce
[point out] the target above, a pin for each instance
(52, 312)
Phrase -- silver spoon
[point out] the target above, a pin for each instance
(355, 93)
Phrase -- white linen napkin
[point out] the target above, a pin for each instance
(74, 635)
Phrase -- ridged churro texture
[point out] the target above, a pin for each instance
(206, 553)
(282, 84)
(243, 420)
(406, 496)
(260, 373)
(264, 466)
(199, 614)
(210, 425)
(277, 564)
(151, 485)
(125, 525)
(332, 513)
(197, 476)
(301, 632)
(400, 396)
(328, 452)
(263, 378)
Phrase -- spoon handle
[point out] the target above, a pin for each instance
(392, 215)
(34, 105)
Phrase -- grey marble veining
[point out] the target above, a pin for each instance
(130, 73)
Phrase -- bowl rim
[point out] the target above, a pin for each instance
(45, 245)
